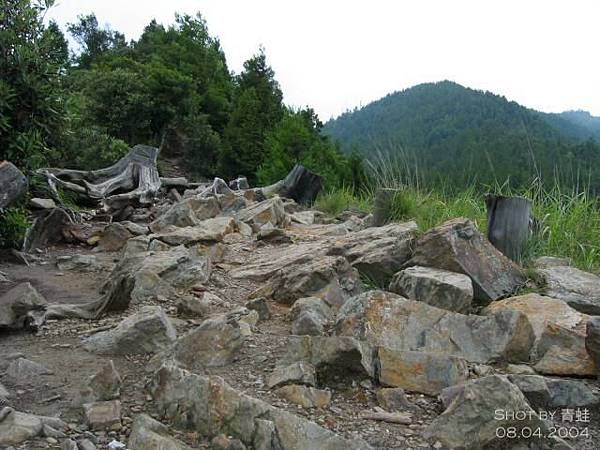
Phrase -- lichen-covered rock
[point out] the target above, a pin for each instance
(581, 290)
(552, 393)
(458, 246)
(310, 315)
(437, 287)
(423, 372)
(147, 331)
(209, 406)
(389, 320)
(559, 347)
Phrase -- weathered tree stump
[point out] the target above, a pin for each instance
(300, 185)
(13, 184)
(382, 208)
(508, 220)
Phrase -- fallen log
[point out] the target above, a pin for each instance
(300, 185)
(508, 221)
(132, 179)
(13, 184)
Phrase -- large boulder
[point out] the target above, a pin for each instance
(147, 331)
(437, 287)
(310, 315)
(552, 393)
(13, 184)
(378, 252)
(187, 213)
(50, 226)
(458, 246)
(479, 410)
(559, 347)
(209, 230)
(114, 237)
(24, 371)
(581, 290)
(150, 434)
(389, 320)
(216, 342)
(22, 307)
(209, 406)
(423, 372)
(302, 271)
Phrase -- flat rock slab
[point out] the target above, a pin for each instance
(102, 415)
(437, 287)
(560, 331)
(427, 373)
(581, 290)
(150, 434)
(307, 397)
(209, 230)
(458, 246)
(388, 320)
(16, 427)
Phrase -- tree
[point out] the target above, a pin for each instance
(32, 58)
(93, 40)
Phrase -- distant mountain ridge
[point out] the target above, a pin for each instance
(466, 135)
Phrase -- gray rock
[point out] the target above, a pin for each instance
(296, 373)
(310, 316)
(222, 442)
(592, 340)
(209, 230)
(23, 371)
(42, 203)
(83, 263)
(68, 444)
(4, 394)
(307, 397)
(477, 410)
(136, 229)
(106, 383)
(544, 262)
(22, 307)
(378, 252)
(457, 246)
(114, 237)
(268, 211)
(150, 434)
(427, 373)
(147, 331)
(215, 343)
(303, 271)
(261, 306)
(211, 407)
(136, 245)
(16, 427)
(187, 213)
(436, 287)
(192, 306)
(86, 444)
(393, 399)
(103, 415)
(389, 320)
(581, 290)
(548, 393)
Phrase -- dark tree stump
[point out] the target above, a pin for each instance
(508, 220)
(300, 185)
(13, 184)
(383, 205)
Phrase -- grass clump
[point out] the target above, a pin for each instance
(336, 201)
(14, 223)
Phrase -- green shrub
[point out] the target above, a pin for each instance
(14, 223)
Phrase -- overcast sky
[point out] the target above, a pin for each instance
(337, 54)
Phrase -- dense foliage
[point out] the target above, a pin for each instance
(445, 132)
(171, 87)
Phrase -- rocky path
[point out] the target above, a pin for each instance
(226, 322)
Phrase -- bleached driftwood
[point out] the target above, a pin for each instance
(133, 179)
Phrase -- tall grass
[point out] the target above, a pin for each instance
(568, 221)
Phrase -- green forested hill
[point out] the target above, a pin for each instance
(446, 131)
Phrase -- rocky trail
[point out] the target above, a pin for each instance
(230, 319)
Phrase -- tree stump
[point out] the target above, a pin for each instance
(508, 220)
(13, 184)
(301, 185)
(383, 205)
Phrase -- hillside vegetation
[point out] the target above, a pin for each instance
(444, 132)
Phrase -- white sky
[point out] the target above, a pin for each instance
(337, 54)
